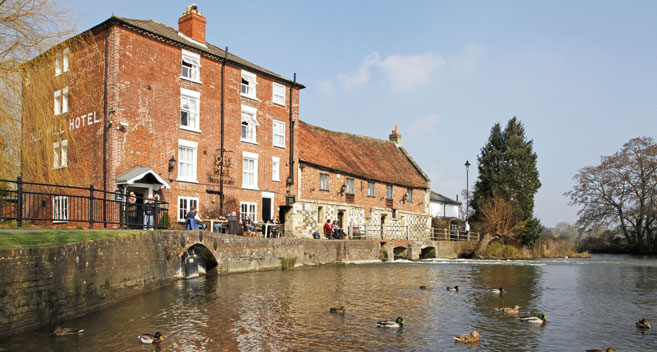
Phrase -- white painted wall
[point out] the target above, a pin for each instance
(439, 209)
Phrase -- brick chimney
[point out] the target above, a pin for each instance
(395, 136)
(192, 24)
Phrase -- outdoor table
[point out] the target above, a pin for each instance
(222, 221)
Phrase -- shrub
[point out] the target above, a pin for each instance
(288, 262)
(165, 222)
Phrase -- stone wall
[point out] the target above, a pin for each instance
(44, 286)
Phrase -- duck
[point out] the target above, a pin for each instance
(540, 319)
(60, 331)
(335, 310)
(425, 287)
(643, 324)
(608, 349)
(498, 291)
(149, 339)
(468, 338)
(509, 310)
(398, 323)
(455, 288)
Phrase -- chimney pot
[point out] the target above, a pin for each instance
(395, 136)
(192, 24)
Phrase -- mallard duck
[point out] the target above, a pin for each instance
(425, 287)
(540, 319)
(608, 349)
(60, 331)
(468, 338)
(151, 339)
(508, 310)
(340, 310)
(398, 323)
(498, 291)
(455, 288)
(643, 324)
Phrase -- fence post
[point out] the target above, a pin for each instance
(91, 206)
(126, 206)
(19, 201)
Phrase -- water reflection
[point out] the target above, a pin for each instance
(589, 303)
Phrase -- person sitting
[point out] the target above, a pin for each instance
(248, 225)
(192, 219)
(328, 230)
(218, 226)
(337, 231)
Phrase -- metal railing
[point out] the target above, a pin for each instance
(445, 234)
(57, 204)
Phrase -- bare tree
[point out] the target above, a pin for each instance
(27, 28)
(498, 221)
(621, 194)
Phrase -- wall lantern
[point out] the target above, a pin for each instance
(172, 163)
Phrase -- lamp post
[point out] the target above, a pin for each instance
(467, 189)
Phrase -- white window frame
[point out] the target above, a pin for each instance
(249, 206)
(252, 157)
(371, 189)
(350, 186)
(65, 100)
(60, 151)
(249, 123)
(58, 64)
(278, 94)
(58, 102)
(249, 89)
(183, 210)
(279, 133)
(66, 59)
(325, 177)
(59, 209)
(276, 168)
(184, 144)
(389, 192)
(194, 60)
(195, 116)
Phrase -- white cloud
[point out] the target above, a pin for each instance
(350, 80)
(408, 71)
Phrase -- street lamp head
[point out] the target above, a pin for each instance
(467, 164)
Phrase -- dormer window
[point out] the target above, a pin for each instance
(248, 84)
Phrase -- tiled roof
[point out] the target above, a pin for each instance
(171, 33)
(365, 157)
(437, 197)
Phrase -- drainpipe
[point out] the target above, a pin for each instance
(290, 178)
(105, 127)
(221, 153)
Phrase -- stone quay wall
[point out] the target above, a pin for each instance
(42, 287)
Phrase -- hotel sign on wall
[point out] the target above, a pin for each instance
(73, 124)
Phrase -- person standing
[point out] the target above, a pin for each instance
(149, 212)
(467, 229)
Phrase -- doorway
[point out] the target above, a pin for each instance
(383, 222)
(266, 210)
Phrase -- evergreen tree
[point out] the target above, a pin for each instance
(507, 168)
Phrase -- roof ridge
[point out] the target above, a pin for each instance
(347, 133)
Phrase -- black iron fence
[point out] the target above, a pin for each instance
(41, 203)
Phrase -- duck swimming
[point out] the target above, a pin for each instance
(540, 319)
(425, 287)
(508, 310)
(608, 349)
(498, 291)
(149, 339)
(340, 310)
(455, 288)
(468, 338)
(398, 323)
(60, 331)
(643, 324)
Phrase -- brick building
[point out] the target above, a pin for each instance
(366, 183)
(161, 102)
(153, 122)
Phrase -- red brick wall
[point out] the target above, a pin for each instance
(310, 191)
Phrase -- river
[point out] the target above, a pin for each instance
(589, 303)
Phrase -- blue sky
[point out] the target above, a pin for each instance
(580, 75)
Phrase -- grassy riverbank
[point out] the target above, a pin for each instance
(47, 238)
(542, 249)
